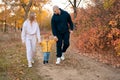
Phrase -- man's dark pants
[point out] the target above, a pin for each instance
(62, 43)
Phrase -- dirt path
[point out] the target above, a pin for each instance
(75, 67)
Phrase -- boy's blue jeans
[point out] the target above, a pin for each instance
(46, 56)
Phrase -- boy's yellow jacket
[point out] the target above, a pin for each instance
(47, 45)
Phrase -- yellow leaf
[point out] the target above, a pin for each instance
(21, 72)
(17, 79)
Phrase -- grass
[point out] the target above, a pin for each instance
(13, 63)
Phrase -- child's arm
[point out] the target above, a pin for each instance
(53, 41)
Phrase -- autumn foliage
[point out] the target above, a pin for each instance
(14, 13)
(98, 31)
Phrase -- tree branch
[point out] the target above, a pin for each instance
(71, 3)
(67, 5)
(29, 5)
(79, 3)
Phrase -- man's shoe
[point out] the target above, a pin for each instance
(29, 64)
(63, 56)
(58, 61)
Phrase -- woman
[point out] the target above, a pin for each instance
(29, 34)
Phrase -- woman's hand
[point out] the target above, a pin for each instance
(23, 42)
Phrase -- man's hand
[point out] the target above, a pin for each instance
(55, 37)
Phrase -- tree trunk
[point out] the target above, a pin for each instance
(75, 9)
(27, 9)
(4, 26)
(26, 15)
(75, 5)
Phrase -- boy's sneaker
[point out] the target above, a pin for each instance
(63, 56)
(29, 64)
(44, 62)
(58, 61)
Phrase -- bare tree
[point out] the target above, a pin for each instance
(26, 8)
(75, 6)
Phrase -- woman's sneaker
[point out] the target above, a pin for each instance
(29, 64)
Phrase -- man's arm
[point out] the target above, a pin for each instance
(70, 22)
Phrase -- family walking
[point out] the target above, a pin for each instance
(62, 27)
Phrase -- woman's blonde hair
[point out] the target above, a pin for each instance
(32, 16)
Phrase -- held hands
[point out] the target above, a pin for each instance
(56, 39)
(40, 43)
(71, 31)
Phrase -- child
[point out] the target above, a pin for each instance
(46, 45)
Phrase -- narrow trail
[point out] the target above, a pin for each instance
(74, 67)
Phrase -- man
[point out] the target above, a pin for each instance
(60, 23)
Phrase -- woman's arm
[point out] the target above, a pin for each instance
(38, 34)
